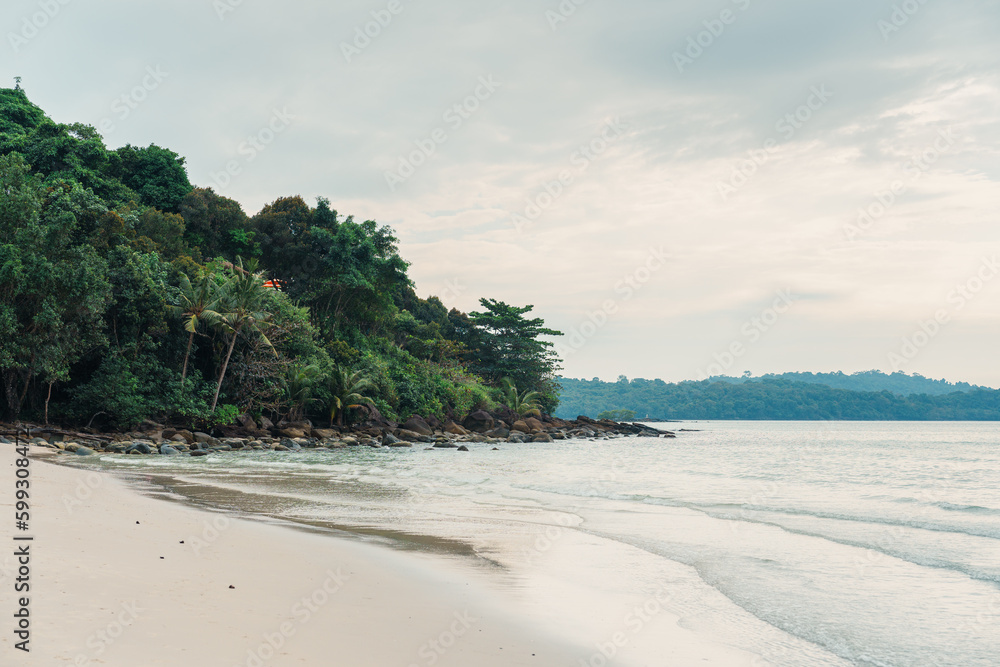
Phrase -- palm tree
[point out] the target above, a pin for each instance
(198, 302)
(242, 302)
(347, 391)
(299, 386)
(523, 404)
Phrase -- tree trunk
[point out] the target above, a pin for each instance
(186, 355)
(47, 398)
(225, 364)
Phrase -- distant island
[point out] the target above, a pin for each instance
(869, 395)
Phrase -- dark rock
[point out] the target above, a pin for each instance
(479, 421)
(199, 452)
(520, 426)
(83, 451)
(463, 448)
(290, 445)
(291, 432)
(417, 424)
(247, 422)
(502, 433)
(170, 433)
(167, 450)
(139, 447)
(445, 445)
(541, 437)
(534, 424)
(389, 439)
(281, 448)
(266, 424)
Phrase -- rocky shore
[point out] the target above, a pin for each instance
(480, 427)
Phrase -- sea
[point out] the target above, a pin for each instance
(796, 544)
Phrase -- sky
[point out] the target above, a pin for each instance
(684, 188)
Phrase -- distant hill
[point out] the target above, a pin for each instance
(777, 398)
(897, 383)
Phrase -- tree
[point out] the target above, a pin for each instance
(523, 404)
(53, 293)
(505, 344)
(198, 302)
(299, 388)
(241, 308)
(157, 174)
(346, 391)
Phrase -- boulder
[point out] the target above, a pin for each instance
(417, 424)
(463, 448)
(541, 437)
(266, 424)
(292, 432)
(521, 426)
(479, 421)
(401, 444)
(412, 436)
(167, 450)
(455, 429)
(517, 436)
(199, 452)
(324, 433)
(281, 448)
(534, 424)
(138, 448)
(290, 445)
(171, 434)
(445, 445)
(69, 446)
(83, 451)
(246, 421)
(499, 432)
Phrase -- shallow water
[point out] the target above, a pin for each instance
(801, 543)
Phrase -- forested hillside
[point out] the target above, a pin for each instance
(767, 399)
(126, 293)
(898, 382)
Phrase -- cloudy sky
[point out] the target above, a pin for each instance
(683, 187)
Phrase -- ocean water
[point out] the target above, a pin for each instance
(787, 543)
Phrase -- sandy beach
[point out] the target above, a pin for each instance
(122, 580)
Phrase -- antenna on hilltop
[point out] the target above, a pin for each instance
(17, 83)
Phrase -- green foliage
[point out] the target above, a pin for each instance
(123, 291)
(524, 404)
(770, 399)
(618, 415)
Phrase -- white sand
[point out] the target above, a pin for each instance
(106, 590)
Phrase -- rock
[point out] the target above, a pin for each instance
(496, 449)
(148, 425)
(401, 444)
(479, 422)
(445, 445)
(455, 429)
(170, 433)
(292, 432)
(83, 451)
(558, 435)
(534, 424)
(221, 448)
(541, 437)
(388, 440)
(324, 433)
(69, 446)
(412, 436)
(463, 448)
(499, 432)
(266, 424)
(521, 426)
(202, 437)
(247, 422)
(138, 447)
(349, 441)
(517, 436)
(281, 448)
(117, 447)
(167, 450)
(416, 424)
(290, 445)
(199, 452)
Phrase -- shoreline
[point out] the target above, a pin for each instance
(122, 579)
